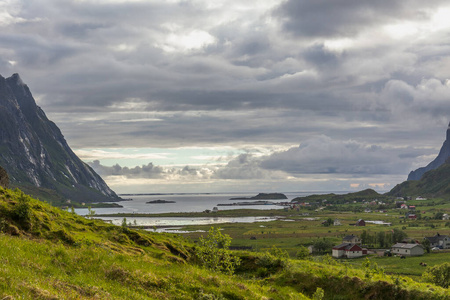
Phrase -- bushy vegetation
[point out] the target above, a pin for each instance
(439, 275)
(213, 252)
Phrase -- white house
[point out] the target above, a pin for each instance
(348, 250)
(407, 249)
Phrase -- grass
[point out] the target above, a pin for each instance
(48, 253)
(409, 266)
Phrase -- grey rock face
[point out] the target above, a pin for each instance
(34, 151)
(442, 157)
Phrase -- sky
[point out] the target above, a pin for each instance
(238, 96)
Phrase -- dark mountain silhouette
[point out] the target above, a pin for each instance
(442, 157)
(35, 154)
(433, 184)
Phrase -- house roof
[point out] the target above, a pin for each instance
(436, 238)
(406, 246)
(348, 247)
(349, 237)
(341, 246)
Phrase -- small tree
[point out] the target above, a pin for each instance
(302, 252)
(91, 212)
(214, 254)
(398, 235)
(427, 245)
(322, 246)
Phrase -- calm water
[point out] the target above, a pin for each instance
(184, 203)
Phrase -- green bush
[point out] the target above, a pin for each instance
(439, 275)
(213, 252)
(22, 211)
(302, 252)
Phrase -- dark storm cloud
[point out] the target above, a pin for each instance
(346, 18)
(323, 155)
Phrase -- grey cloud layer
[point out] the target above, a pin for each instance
(268, 73)
(314, 157)
(324, 18)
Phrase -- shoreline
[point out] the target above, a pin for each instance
(220, 213)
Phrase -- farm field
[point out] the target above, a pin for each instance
(304, 228)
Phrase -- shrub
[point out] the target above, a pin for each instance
(272, 261)
(319, 294)
(214, 254)
(439, 275)
(21, 212)
(302, 252)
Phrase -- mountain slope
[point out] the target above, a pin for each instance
(443, 155)
(434, 183)
(35, 154)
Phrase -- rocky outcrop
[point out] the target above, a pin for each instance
(4, 178)
(442, 157)
(34, 152)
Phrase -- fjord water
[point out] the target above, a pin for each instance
(184, 203)
(137, 204)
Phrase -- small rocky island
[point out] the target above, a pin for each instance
(160, 202)
(263, 196)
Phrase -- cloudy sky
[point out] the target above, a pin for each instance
(215, 95)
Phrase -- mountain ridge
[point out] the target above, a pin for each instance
(36, 155)
(443, 155)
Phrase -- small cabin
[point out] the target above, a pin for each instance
(360, 222)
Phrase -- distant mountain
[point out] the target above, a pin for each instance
(434, 183)
(263, 196)
(35, 154)
(443, 155)
(367, 194)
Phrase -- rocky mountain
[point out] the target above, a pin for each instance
(442, 157)
(35, 154)
(433, 184)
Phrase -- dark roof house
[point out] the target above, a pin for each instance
(441, 241)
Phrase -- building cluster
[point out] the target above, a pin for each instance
(351, 247)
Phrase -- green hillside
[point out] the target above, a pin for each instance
(433, 184)
(48, 253)
(368, 194)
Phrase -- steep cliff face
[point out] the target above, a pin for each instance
(34, 152)
(442, 157)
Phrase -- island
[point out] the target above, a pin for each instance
(263, 196)
(160, 202)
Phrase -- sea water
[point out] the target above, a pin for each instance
(137, 204)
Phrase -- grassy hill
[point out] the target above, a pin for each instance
(48, 253)
(368, 194)
(433, 184)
